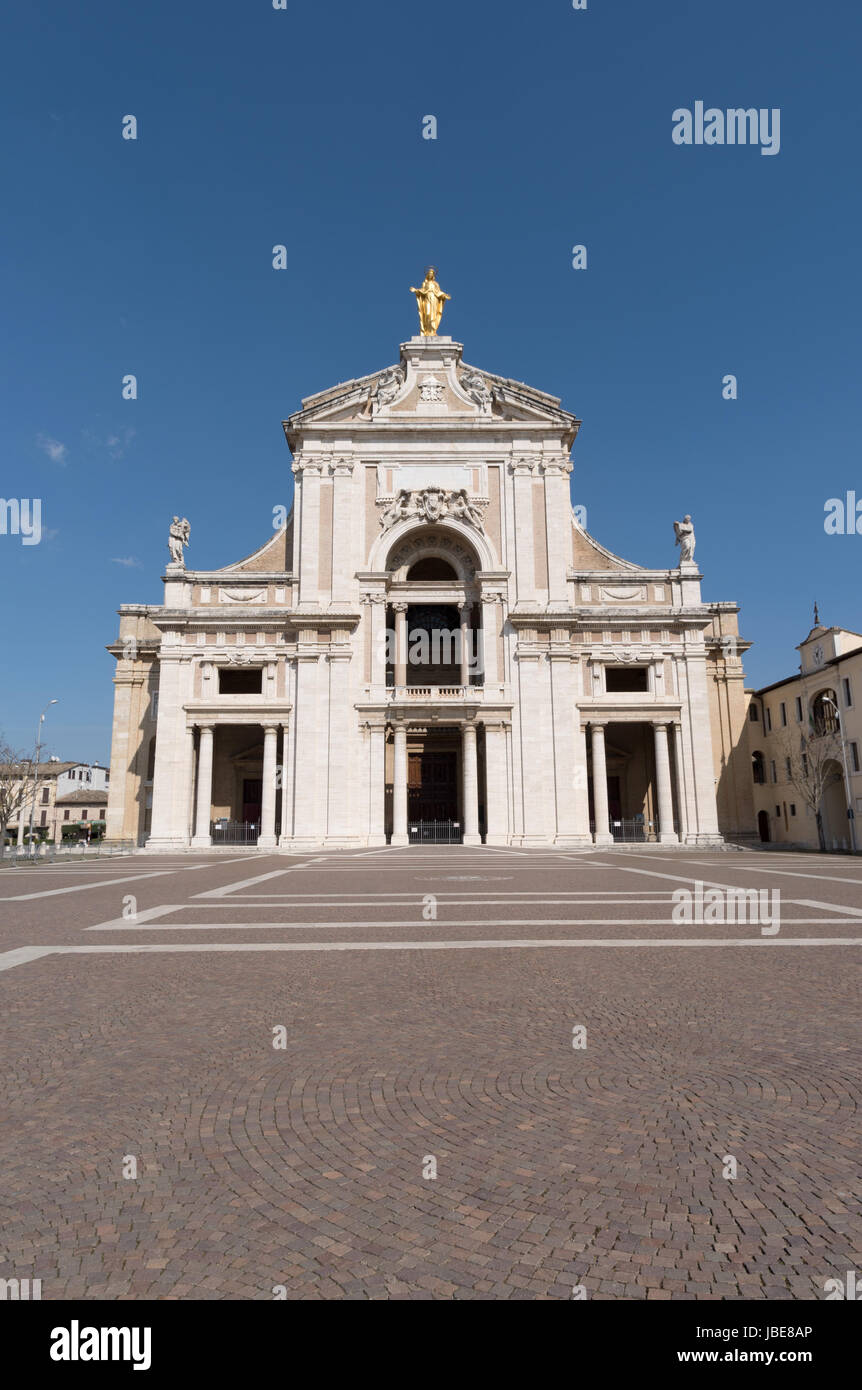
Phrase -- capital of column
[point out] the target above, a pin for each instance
(400, 606)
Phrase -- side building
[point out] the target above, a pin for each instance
(64, 798)
(804, 742)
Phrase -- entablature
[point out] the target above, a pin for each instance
(237, 709)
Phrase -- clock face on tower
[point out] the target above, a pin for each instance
(818, 655)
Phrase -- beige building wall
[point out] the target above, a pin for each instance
(781, 714)
(136, 685)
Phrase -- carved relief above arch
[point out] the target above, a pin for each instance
(406, 542)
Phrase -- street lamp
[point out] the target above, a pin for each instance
(850, 814)
(36, 768)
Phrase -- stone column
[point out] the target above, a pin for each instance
(535, 752)
(582, 800)
(308, 547)
(202, 837)
(664, 791)
(700, 770)
(496, 786)
(464, 615)
(378, 645)
(603, 834)
(189, 784)
(285, 734)
(377, 784)
(170, 820)
(340, 829)
(558, 523)
(266, 838)
(122, 786)
(490, 619)
(399, 787)
(310, 719)
(470, 786)
(342, 569)
(522, 492)
(400, 643)
(680, 783)
(569, 828)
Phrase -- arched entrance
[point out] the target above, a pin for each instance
(836, 831)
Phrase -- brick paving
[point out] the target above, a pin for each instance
(302, 1168)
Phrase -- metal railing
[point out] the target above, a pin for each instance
(633, 831)
(434, 832)
(234, 832)
(19, 856)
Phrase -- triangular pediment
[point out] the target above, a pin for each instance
(432, 383)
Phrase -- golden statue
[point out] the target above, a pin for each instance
(429, 301)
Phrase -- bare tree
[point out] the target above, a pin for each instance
(813, 763)
(17, 783)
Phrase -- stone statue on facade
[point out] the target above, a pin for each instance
(684, 532)
(178, 537)
(430, 300)
(398, 510)
(473, 384)
(388, 385)
(463, 509)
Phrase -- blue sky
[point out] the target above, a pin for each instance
(303, 127)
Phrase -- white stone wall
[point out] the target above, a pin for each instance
(385, 471)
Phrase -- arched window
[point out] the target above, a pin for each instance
(431, 568)
(824, 712)
(758, 767)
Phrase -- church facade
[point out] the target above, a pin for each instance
(429, 647)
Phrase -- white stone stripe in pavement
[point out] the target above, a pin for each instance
(755, 869)
(28, 953)
(241, 883)
(327, 906)
(112, 882)
(127, 925)
(711, 883)
(448, 895)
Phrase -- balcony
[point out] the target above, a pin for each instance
(435, 692)
(429, 701)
